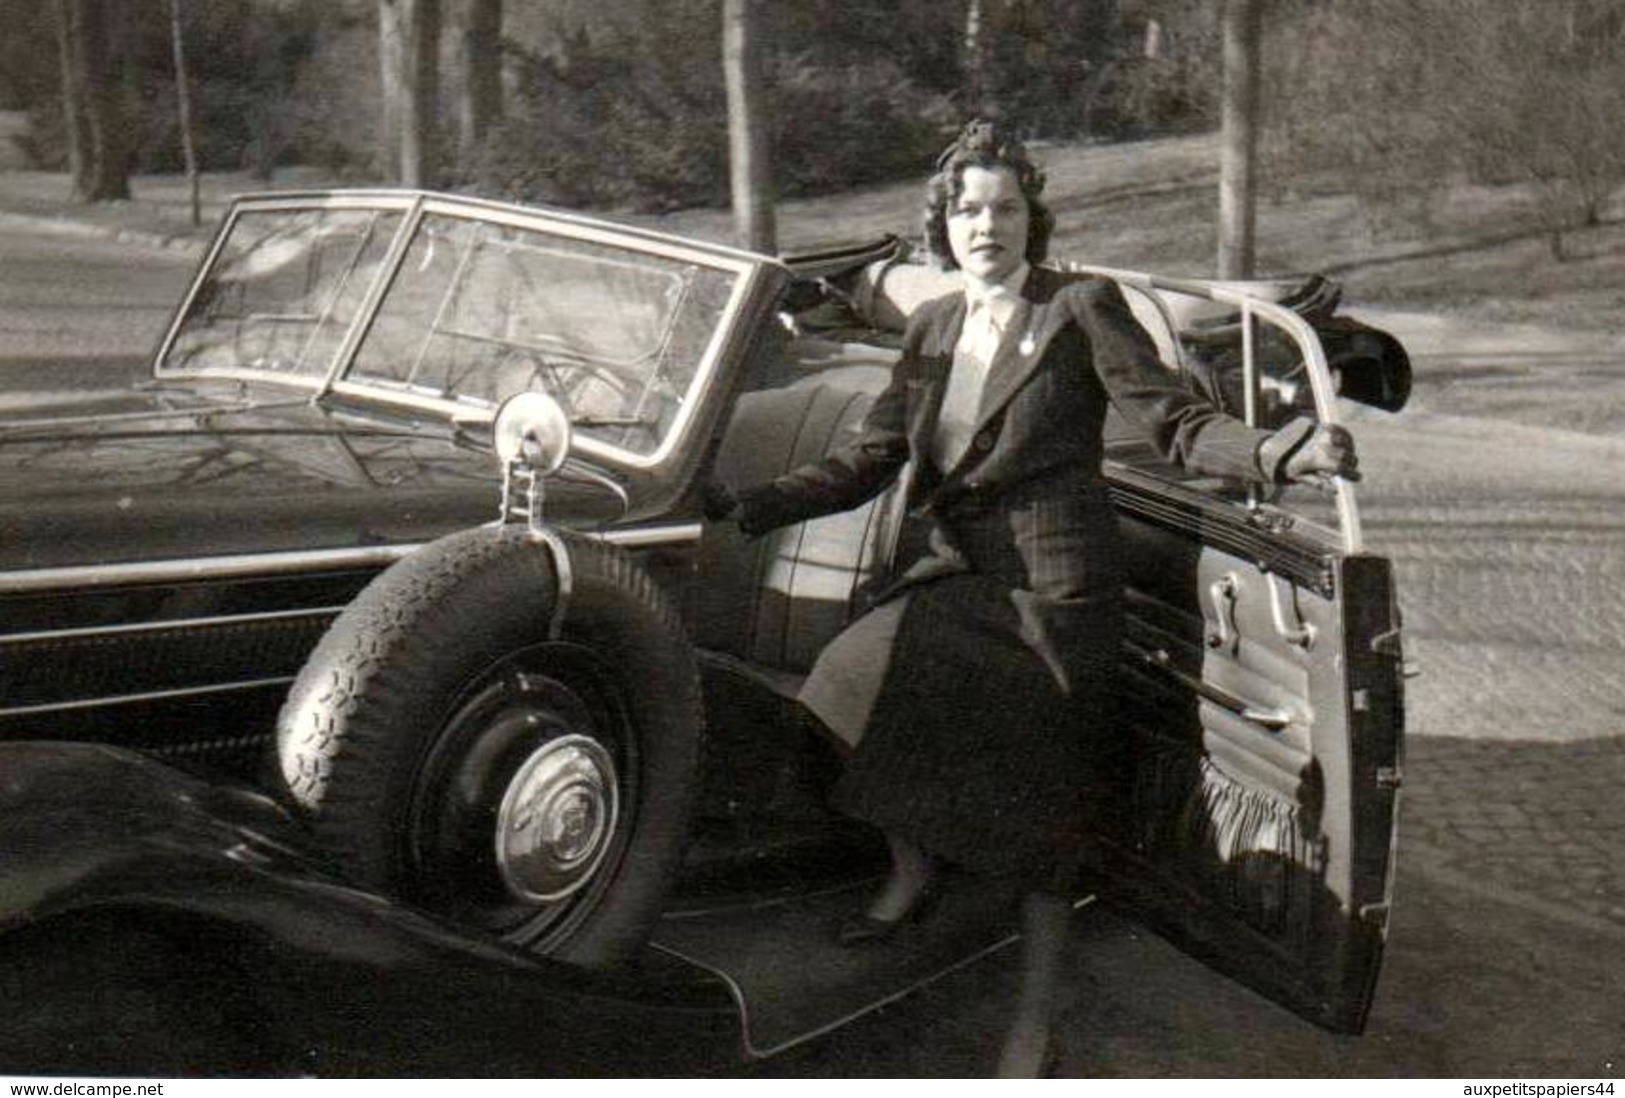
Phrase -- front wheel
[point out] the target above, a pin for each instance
(451, 751)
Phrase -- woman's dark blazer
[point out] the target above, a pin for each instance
(1071, 346)
(970, 746)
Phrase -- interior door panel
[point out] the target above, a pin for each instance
(1262, 710)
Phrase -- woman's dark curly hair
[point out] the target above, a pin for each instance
(984, 144)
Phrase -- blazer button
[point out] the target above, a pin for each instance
(983, 442)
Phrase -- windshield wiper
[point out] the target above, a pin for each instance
(613, 421)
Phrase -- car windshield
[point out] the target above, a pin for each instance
(282, 292)
(479, 311)
(474, 305)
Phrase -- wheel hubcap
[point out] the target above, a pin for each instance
(523, 805)
(556, 819)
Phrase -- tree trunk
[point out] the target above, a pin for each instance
(183, 103)
(391, 51)
(422, 93)
(409, 60)
(99, 147)
(75, 127)
(480, 106)
(978, 76)
(113, 85)
(1239, 155)
(749, 169)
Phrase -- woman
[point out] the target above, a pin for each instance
(976, 692)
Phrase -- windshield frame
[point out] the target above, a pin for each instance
(746, 271)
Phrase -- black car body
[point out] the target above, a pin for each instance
(320, 423)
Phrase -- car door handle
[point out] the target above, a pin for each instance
(1272, 719)
(1222, 594)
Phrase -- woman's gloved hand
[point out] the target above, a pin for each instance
(718, 502)
(1327, 452)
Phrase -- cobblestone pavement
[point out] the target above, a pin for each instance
(1509, 556)
(1546, 820)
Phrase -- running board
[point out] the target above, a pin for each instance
(792, 983)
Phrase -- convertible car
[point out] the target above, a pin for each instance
(373, 690)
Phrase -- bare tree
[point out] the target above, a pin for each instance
(409, 59)
(749, 169)
(480, 100)
(97, 133)
(1552, 116)
(978, 77)
(1243, 24)
(75, 126)
(183, 103)
(1402, 102)
(391, 50)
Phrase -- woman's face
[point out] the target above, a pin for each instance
(987, 223)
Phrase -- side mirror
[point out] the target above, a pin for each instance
(1366, 364)
(1371, 366)
(533, 428)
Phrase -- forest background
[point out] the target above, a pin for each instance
(1411, 108)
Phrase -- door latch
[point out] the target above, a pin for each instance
(1387, 644)
(1222, 633)
(1301, 635)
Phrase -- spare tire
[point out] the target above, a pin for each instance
(451, 752)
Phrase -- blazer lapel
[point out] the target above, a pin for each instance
(937, 353)
(1026, 338)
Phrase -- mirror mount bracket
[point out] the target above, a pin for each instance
(531, 437)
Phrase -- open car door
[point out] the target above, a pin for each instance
(1254, 813)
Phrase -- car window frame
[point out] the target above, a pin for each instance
(748, 271)
(1252, 310)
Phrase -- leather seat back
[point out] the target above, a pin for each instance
(776, 601)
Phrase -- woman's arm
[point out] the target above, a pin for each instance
(852, 475)
(1184, 427)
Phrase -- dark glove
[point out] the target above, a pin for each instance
(1328, 451)
(718, 502)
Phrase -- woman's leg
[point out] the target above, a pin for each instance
(912, 871)
(1029, 1044)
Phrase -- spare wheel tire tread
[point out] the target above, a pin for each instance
(357, 649)
(341, 739)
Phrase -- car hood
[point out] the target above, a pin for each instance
(219, 468)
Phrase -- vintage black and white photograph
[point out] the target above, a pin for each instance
(812, 539)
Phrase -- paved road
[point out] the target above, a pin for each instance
(75, 310)
(1508, 946)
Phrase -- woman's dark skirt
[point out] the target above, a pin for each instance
(981, 718)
